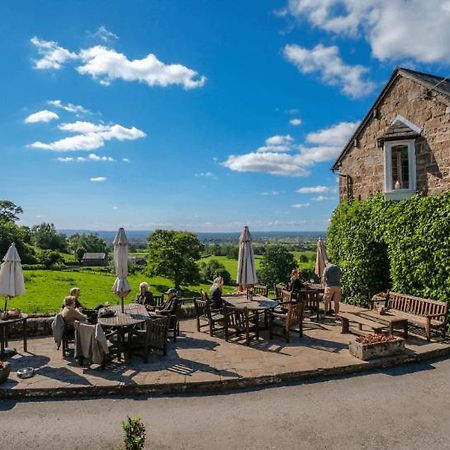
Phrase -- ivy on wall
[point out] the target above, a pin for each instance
(403, 246)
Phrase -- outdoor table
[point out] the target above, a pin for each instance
(4, 324)
(315, 287)
(134, 314)
(394, 322)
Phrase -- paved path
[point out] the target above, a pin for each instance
(402, 408)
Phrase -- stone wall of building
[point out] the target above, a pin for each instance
(365, 163)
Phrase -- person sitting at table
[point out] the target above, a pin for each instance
(70, 313)
(145, 297)
(215, 293)
(170, 306)
(295, 284)
(75, 292)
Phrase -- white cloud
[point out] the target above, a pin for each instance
(333, 71)
(90, 157)
(205, 175)
(291, 159)
(278, 143)
(314, 190)
(322, 198)
(295, 122)
(105, 35)
(98, 179)
(300, 205)
(269, 193)
(41, 116)
(106, 65)
(126, 160)
(69, 107)
(52, 55)
(394, 29)
(91, 136)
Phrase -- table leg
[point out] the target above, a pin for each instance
(2, 341)
(25, 343)
(345, 325)
(405, 329)
(318, 310)
(391, 329)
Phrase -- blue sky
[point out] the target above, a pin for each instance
(195, 114)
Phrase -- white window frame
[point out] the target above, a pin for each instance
(389, 191)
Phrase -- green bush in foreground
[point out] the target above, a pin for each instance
(404, 246)
(133, 433)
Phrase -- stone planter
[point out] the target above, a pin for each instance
(4, 372)
(377, 350)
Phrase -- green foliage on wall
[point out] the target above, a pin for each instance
(403, 246)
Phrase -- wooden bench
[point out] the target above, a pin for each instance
(431, 315)
(349, 317)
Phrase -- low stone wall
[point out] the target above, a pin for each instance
(42, 326)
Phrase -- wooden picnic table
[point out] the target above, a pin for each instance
(390, 320)
(122, 323)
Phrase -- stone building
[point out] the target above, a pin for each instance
(402, 145)
(94, 259)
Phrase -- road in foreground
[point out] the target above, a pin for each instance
(400, 408)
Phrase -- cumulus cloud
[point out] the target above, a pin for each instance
(52, 55)
(322, 198)
(89, 136)
(300, 205)
(41, 116)
(90, 157)
(278, 143)
(69, 107)
(314, 190)
(105, 65)
(331, 68)
(295, 122)
(292, 159)
(269, 193)
(126, 160)
(394, 29)
(98, 179)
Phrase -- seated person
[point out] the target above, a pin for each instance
(75, 292)
(70, 313)
(169, 307)
(145, 297)
(295, 284)
(215, 293)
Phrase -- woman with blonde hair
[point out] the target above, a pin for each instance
(215, 293)
(145, 297)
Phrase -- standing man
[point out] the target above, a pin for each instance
(332, 281)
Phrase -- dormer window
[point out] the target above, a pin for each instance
(399, 159)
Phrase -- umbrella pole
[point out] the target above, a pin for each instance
(6, 303)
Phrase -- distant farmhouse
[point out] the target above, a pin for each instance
(94, 259)
(402, 145)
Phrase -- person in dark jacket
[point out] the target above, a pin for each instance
(295, 284)
(215, 293)
(170, 306)
(145, 297)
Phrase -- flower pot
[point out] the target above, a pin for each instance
(376, 350)
(5, 369)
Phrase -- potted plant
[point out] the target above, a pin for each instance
(5, 369)
(376, 346)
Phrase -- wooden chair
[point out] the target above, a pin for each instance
(158, 299)
(213, 318)
(67, 338)
(259, 289)
(152, 337)
(278, 288)
(293, 317)
(311, 300)
(174, 322)
(241, 321)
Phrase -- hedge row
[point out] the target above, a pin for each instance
(403, 246)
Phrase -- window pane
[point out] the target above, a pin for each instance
(400, 167)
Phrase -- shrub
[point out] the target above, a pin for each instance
(212, 269)
(133, 433)
(276, 265)
(403, 245)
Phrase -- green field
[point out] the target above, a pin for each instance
(46, 289)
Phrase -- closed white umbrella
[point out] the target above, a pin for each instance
(121, 287)
(321, 259)
(246, 273)
(11, 276)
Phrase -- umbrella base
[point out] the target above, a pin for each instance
(8, 352)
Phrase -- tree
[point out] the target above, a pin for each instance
(9, 211)
(213, 269)
(89, 242)
(174, 254)
(46, 237)
(276, 265)
(9, 233)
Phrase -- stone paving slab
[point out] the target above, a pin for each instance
(199, 362)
